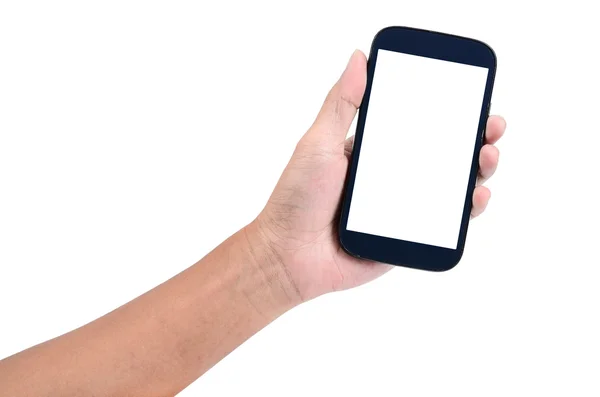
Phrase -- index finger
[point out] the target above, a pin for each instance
(495, 129)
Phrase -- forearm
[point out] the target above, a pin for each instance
(162, 341)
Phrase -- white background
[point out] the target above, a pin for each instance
(135, 136)
(417, 149)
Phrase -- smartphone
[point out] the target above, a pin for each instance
(420, 127)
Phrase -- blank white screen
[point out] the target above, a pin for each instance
(417, 147)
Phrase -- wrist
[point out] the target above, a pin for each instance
(277, 287)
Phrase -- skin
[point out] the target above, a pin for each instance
(160, 342)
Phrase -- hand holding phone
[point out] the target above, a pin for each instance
(420, 129)
(301, 223)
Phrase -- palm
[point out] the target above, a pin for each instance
(303, 216)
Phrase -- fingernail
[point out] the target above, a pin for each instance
(350, 61)
(351, 57)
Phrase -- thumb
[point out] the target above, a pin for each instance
(338, 111)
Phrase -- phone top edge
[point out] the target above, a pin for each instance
(397, 29)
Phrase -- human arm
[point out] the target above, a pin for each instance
(160, 342)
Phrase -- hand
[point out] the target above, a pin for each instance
(299, 222)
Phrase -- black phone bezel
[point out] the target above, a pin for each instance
(434, 45)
